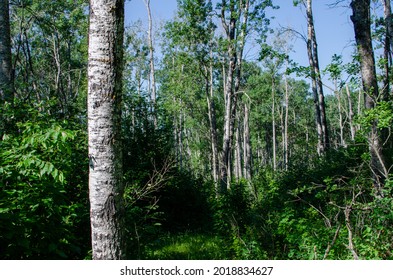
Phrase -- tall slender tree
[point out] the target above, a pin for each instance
(152, 75)
(361, 22)
(312, 49)
(387, 47)
(105, 63)
(6, 81)
(230, 98)
(316, 81)
(236, 18)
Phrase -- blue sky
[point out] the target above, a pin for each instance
(333, 26)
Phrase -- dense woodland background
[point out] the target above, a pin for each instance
(223, 158)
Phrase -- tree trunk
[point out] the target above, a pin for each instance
(236, 41)
(316, 103)
(350, 246)
(228, 95)
(350, 113)
(360, 104)
(152, 75)
(274, 126)
(340, 115)
(238, 153)
(387, 48)
(247, 143)
(286, 152)
(212, 123)
(105, 64)
(282, 126)
(319, 99)
(361, 21)
(385, 133)
(6, 77)
(388, 22)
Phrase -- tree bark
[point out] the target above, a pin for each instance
(350, 113)
(105, 65)
(361, 21)
(152, 75)
(319, 99)
(228, 95)
(385, 134)
(6, 77)
(388, 22)
(351, 246)
(247, 155)
(274, 124)
(236, 41)
(212, 123)
(286, 146)
(238, 153)
(340, 115)
(387, 48)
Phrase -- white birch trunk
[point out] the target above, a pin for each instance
(319, 99)
(104, 115)
(152, 75)
(274, 126)
(247, 143)
(350, 113)
(286, 123)
(340, 114)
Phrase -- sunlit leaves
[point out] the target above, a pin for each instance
(38, 203)
(382, 115)
(32, 155)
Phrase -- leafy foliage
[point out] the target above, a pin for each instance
(43, 203)
(313, 207)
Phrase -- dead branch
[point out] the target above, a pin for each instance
(157, 180)
(331, 244)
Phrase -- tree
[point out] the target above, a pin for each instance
(312, 49)
(361, 22)
(315, 74)
(191, 37)
(236, 18)
(50, 56)
(152, 75)
(6, 80)
(105, 59)
(334, 69)
(387, 47)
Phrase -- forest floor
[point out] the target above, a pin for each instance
(187, 246)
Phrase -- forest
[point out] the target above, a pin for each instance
(165, 141)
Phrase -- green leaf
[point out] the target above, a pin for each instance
(61, 177)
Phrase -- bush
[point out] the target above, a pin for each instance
(44, 202)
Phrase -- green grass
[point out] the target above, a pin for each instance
(187, 246)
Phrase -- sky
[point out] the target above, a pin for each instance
(333, 26)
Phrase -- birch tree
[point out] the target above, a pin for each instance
(315, 74)
(312, 50)
(104, 100)
(236, 18)
(152, 75)
(194, 34)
